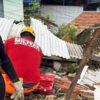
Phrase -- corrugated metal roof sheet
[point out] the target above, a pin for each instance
(75, 51)
(50, 44)
(5, 27)
(15, 30)
(91, 77)
(95, 57)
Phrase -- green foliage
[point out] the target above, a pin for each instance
(87, 35)
(61, 31)
(32, 11)
(34, 7)
(96, 25)
(48, 16)
(72, 32)
(70, 29)
(73, 67)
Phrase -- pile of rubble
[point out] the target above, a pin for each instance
(61, 84)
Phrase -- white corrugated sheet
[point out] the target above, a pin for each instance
(5, 27)
(95, 57)
(91, 77)
(75, 51)
(15, 30)
(50, 44)
(61, 14)
(82, 74)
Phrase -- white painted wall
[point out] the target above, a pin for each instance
(62, 14)
(13, 9)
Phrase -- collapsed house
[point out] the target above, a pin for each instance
(55, 50)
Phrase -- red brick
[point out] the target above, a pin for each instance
(64, 84)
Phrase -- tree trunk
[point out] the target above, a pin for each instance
(83, 63)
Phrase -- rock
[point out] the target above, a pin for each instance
(50, 97)
(54, 72)
(57, 65)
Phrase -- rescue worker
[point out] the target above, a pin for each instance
(8, 68)
(26, 56)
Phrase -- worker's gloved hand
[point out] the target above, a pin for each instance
(19, 91)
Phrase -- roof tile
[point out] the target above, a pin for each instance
(86, 19)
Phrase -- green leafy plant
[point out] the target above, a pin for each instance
(48, 16)
(67, 29)
(87, 35)
(61, 31)
(32, 11)
(34, 7)
(72, 32)
(73, 67)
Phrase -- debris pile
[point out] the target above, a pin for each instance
(79, 91)
(84, 90)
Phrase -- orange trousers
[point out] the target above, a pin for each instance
(10, 89)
